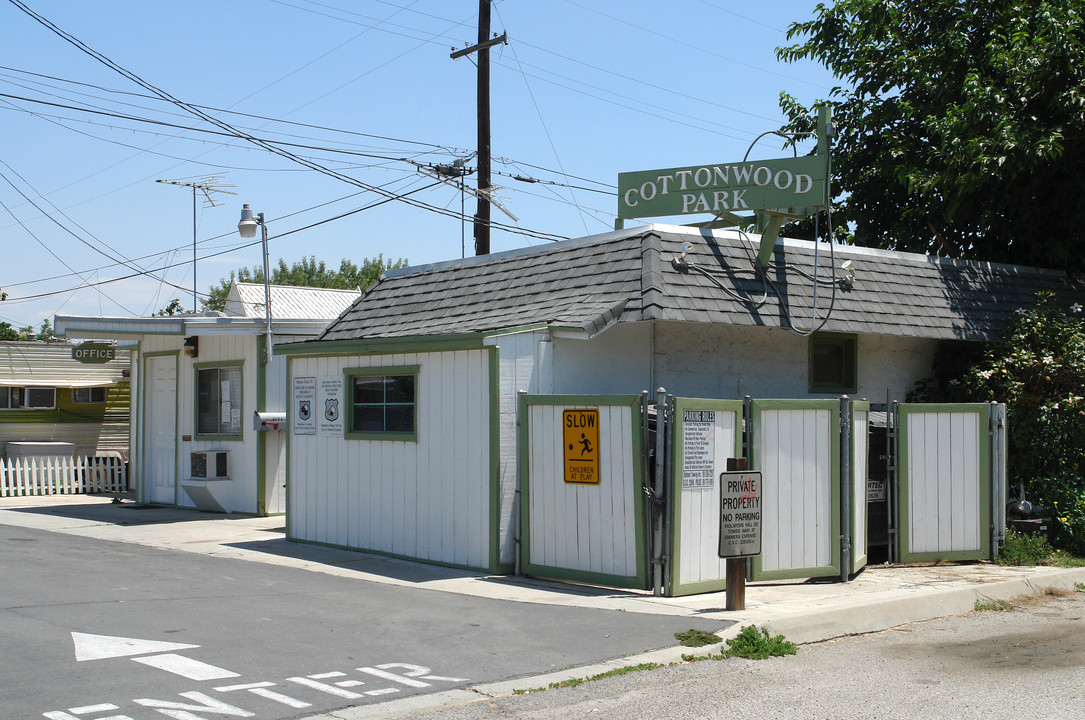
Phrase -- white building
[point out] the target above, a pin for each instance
(403, 415)
(197, 381)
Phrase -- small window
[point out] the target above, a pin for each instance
(11, 398)
(383, 403)
(218, 400)
(833, 361)
(85, 396)
(41, 398)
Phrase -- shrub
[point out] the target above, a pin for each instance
(757, 644)
(1038, 369)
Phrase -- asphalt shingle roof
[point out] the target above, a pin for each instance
(632, 275)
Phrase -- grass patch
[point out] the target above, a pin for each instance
(697, 638)
(757, 644)
(1080, 587)
(1024, 549)
(998, 605)
(573, 682)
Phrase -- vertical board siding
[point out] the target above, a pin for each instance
(696, 512)
(795, 447)
(427, 499)
(590, 530)
(944, 466)
(860, 436)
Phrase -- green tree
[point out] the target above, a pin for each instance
(7, 332)
(307, 272)
(1038, 369)
(960, 125)
(173, 307)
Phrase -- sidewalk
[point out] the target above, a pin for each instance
(804, 611)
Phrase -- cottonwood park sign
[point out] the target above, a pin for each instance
(773, 191)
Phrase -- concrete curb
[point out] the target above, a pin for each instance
(817, 626)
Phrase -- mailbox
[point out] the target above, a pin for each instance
(268, 420)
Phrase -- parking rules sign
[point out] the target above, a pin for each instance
(580, 445)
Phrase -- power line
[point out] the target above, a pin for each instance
(221, 124)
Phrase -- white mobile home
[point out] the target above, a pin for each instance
(64, 397)
(198, 380)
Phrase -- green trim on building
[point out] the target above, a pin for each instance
(261, 436)
(493, 358)
(218, 437)
(678, 588)
(640, 579)
(833, 406)
(982, 413)
(859, 560)
(849, 344)
(381, 346)
(348, 403)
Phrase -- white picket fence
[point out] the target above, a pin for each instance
(62, 475)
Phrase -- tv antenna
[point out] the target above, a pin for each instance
(208, 185)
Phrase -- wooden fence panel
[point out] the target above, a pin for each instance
(29, 476)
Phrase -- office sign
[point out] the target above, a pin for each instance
(94, 353)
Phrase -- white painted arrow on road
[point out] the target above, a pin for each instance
(102, 647)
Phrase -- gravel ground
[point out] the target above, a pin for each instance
(1026, 662)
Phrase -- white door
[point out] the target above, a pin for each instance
(160, 413)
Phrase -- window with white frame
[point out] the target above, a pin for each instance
(89, 395)
(28, 398)
(218, 400)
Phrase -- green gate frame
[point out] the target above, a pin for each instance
(833, 406)
(638, 581)
(674, 492)
(982, 410)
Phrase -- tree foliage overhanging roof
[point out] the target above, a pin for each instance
(961, 125)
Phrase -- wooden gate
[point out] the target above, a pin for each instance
(705, 434)
(595, 531)
(795, 445)
(949, 471)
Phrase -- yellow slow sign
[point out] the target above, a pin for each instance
(580, 432)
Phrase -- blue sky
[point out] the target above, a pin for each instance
(585, 89)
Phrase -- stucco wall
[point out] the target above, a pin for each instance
(696, 360)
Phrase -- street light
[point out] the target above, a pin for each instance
(247, 228)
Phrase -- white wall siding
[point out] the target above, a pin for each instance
(585, 528)
(943, 476)
(699, 531)
(793, 450)
(617, 362)
(524, 366)
(428, 499)
(860, 437)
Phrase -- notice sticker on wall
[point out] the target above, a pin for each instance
(698, 449)
(303, 402)
(328, 405)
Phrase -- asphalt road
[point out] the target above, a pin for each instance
(1028, 662)
(245, 639)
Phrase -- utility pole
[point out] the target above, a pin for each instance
(485, 42)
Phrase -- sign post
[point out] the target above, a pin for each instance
(740, 526)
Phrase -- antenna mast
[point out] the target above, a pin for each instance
(208, 185)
